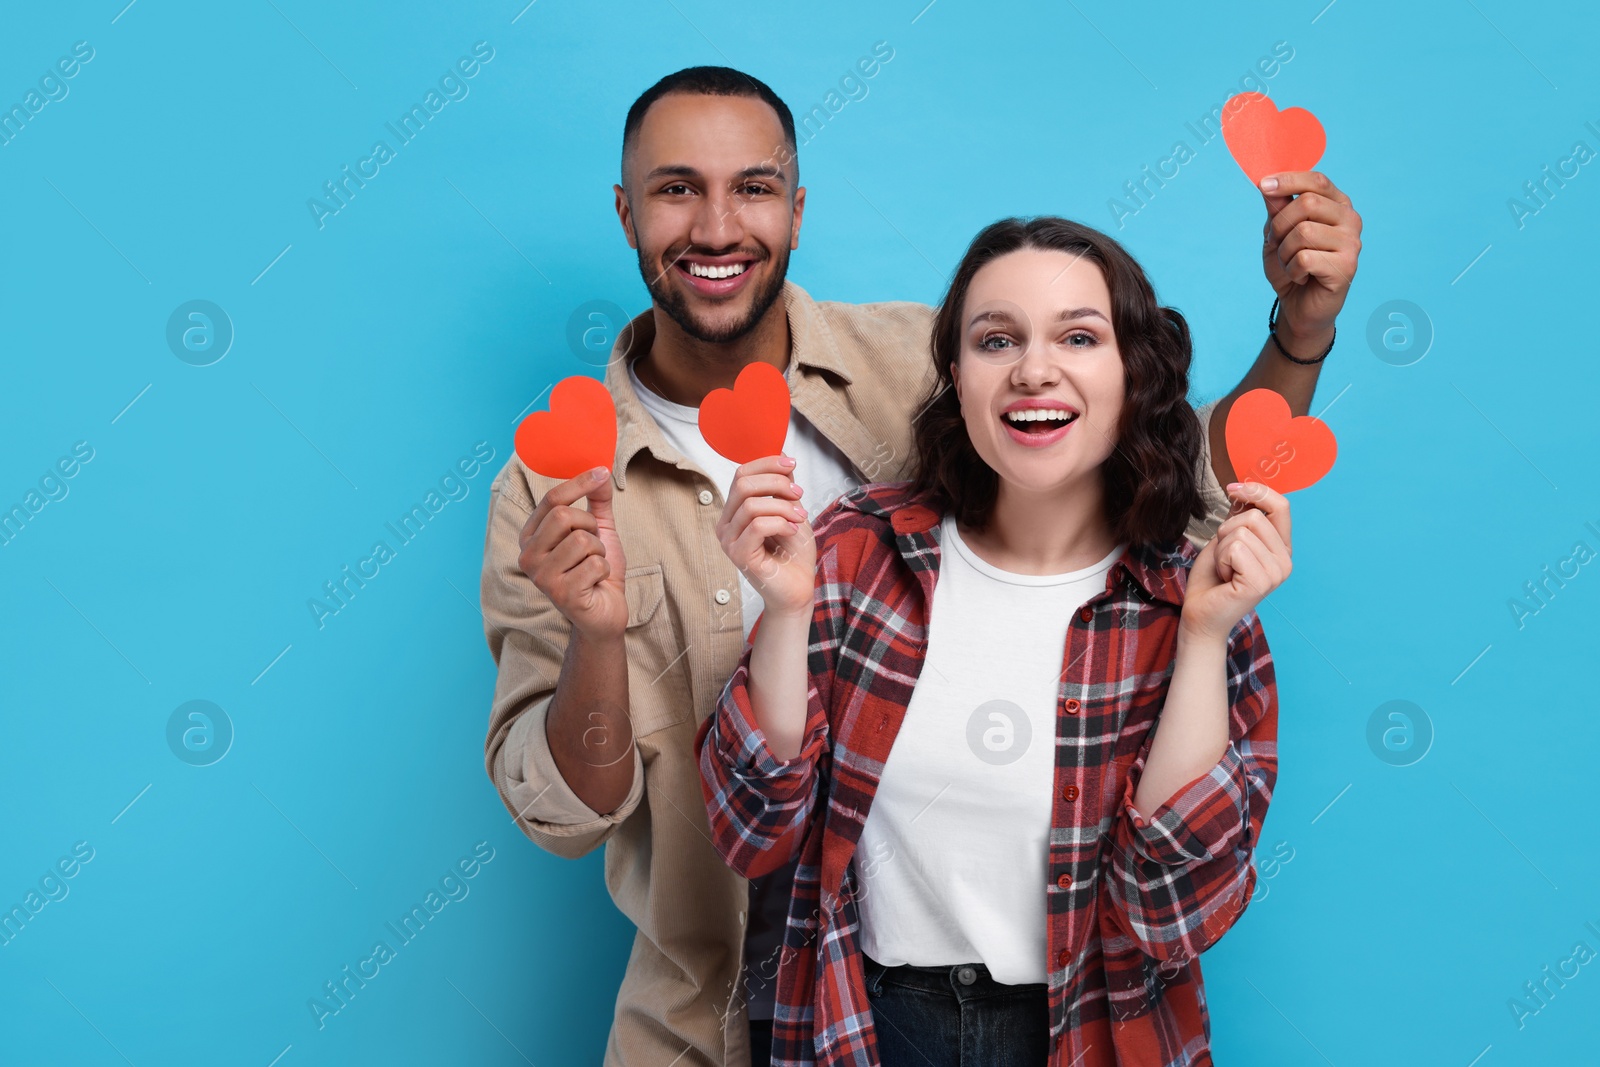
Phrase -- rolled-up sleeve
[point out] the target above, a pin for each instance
(756, 803)
(546, 808)
(528, 636)
(1212, 495)
(1181, 878)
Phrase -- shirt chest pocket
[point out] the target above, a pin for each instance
(1113, 780)
(658, 662)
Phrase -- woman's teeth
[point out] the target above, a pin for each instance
(701, 270)
(1026, 417)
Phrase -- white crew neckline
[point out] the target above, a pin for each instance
(952, 536)
(672, 410)
(658, 403)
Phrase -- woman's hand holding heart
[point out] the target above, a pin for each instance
(764, 531)
(1248, 558)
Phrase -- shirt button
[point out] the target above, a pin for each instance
(1063, 881)
(1070, 793)
(967, 975)
(1061, 958)
(721, 596)
(705, 496)
(1086, 613)
(1072, 705)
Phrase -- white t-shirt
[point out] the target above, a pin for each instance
(952, 864)
(820, 469)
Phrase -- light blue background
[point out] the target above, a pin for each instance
(432, 311)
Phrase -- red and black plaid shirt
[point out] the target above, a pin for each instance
(1132, 904)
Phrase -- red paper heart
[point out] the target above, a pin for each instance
(1269, 447)
(750, 420)
(1266, 141)
(577, 433)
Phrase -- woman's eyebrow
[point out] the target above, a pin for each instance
(1068, 314)
(1064, 315)
(991, 316)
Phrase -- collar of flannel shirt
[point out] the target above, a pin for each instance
(1159, 571)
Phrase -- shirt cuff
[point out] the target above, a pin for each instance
(1199, 821)
(543, 799)
(745, 749)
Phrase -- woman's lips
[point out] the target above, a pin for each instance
(714, 286)
(1038, 440)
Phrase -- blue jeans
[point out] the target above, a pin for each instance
(956, 1017)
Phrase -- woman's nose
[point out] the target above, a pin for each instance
(1036, 366)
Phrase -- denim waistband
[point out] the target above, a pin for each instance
(964, 981)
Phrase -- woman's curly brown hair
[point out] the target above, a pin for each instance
(1151, 476)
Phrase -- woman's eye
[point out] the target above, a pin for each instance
(994, 342)
(1082, 340)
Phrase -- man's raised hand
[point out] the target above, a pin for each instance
(575, 556)
(1310, 247)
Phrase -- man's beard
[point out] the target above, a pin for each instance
(670, 300)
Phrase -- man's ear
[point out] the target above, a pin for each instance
(799, 210)
(625, 215)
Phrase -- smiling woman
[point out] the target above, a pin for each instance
(1104, 352)
(1035, 574)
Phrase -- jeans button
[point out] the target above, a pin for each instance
(967, 975)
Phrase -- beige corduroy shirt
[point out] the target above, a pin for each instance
(858, 372)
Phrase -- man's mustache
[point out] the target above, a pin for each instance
(754, 253)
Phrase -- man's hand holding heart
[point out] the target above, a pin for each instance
(1309, 253)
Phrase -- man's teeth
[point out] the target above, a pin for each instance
(701, 270)
(1039, 414)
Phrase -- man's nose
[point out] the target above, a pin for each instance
(717, 224)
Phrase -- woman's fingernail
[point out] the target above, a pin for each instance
(1268, 184)
(786, 461)
(1234, 485)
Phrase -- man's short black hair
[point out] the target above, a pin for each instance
(707, 81)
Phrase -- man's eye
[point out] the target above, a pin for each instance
(754, 190)
(676, 188)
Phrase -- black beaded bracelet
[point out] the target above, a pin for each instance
(1272, 332)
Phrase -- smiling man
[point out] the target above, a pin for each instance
(615, 626)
